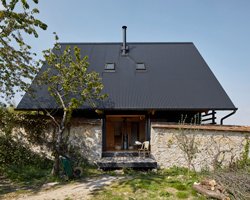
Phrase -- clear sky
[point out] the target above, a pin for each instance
(219, 29)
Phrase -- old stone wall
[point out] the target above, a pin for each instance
(206, 147)
(86, 135)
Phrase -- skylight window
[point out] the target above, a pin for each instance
(110, 67)
(140, 66)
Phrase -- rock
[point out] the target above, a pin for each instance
(49, 185)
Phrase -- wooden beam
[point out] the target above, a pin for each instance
(117, 116)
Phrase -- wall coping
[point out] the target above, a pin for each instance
(230, 128)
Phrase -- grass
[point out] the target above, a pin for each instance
(27, 174)
(16, 179)
(182, 195)
(22, 178)
(90, 170)
(174, 183)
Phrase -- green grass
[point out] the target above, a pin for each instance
(18, 178)
(179, 186)
(90, 170)
(28, 173)
(182, 195)
(174, 183)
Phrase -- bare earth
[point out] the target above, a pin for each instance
(73, 191)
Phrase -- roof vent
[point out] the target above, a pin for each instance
(110, 67)
(124, 44)
(140, 66)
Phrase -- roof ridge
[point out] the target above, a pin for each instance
(112, 43)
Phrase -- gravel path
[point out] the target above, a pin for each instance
(73, 191)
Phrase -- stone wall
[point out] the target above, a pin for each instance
(212, 145)
(86, 135)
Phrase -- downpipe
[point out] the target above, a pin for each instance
(230, 114)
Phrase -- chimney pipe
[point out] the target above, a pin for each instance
(124, 44)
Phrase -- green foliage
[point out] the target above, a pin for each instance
(175, 171)
(129, 171)
(20, 164)
(243, 163)
(179, 186)
(165, 194)
(15, 155)
(71, 85)
(17, 161)
(182, 195)
(68, 78)
(27, 173)
(7, 122)
(245, 154)
(17, 63)
(33, 124)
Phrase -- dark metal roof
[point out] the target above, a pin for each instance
(176, 78)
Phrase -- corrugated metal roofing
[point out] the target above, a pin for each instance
(176, 78)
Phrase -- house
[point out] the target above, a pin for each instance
(145, 83)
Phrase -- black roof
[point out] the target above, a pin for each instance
(176, 78)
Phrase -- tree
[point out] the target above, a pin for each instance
(17, 64)
(71, 85)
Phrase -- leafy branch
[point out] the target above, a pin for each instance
(17, 64)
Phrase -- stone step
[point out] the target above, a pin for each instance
(127, 162)
(120, 153)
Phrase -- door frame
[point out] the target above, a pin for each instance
(104, 127)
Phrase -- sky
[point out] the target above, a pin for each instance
(219, 29)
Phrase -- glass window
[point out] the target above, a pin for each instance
(110, 66)
(140, 66)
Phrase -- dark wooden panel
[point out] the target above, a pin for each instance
(109, 136)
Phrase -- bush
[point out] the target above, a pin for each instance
(15, 153)
(17, 160)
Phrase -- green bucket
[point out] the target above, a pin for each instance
(67, 166)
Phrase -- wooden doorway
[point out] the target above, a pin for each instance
(123, 130)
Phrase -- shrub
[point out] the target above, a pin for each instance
(14, 153)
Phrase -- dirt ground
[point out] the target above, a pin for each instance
(72, 191)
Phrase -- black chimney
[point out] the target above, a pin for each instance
(124, 44)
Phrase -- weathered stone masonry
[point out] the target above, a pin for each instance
(87, 135)
(212, 143)
(84, 134)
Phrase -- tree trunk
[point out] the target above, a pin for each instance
(56, 166)
(57, 153)
(210, 193)
(58, 146)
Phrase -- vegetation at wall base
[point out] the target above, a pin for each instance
(19, 164)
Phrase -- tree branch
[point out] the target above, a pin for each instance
(53, 118)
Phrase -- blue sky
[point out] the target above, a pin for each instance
(219, 29)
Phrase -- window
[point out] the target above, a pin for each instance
(140, 66)
(110, 67)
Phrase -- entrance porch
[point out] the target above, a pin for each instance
(120, 150)
(122, 131)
